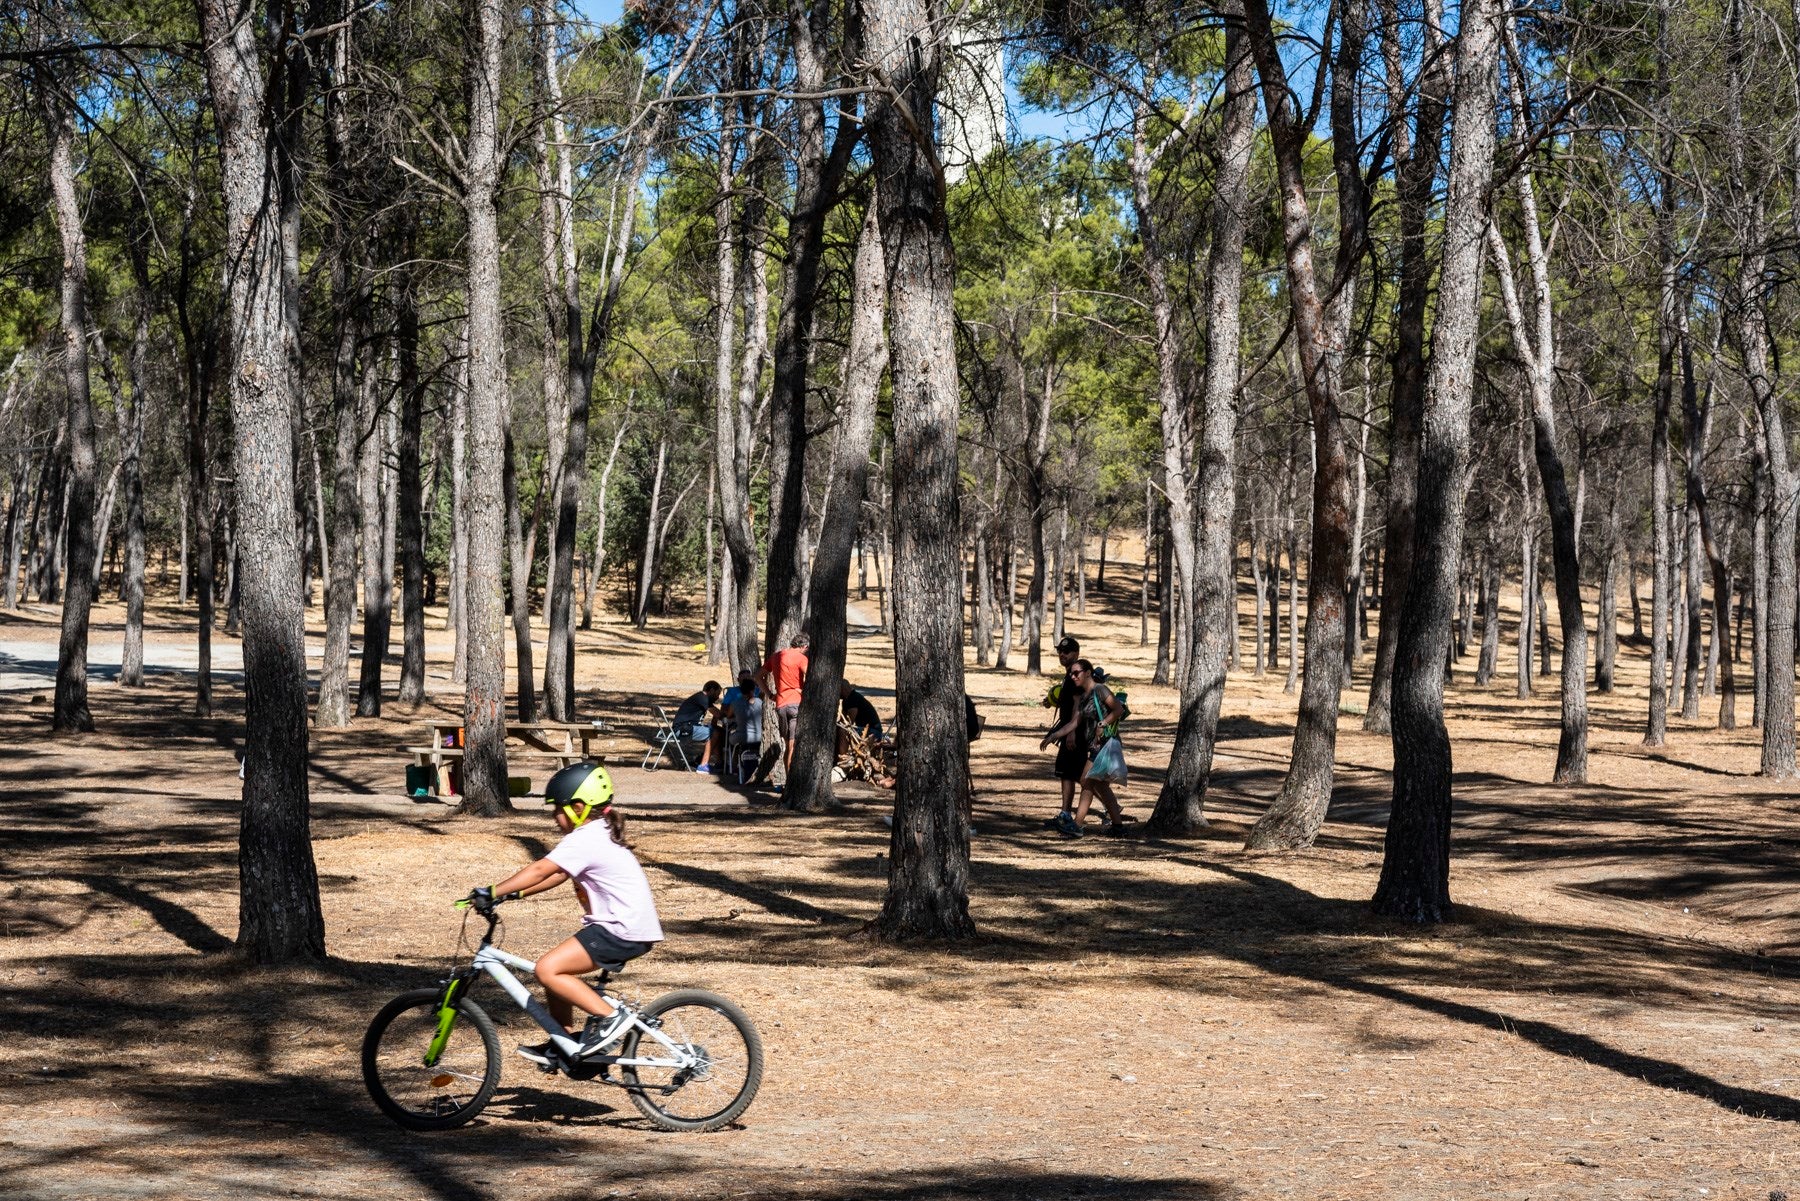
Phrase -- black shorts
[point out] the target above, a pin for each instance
(1071, 760)
(609, 952)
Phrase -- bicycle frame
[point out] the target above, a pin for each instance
(493, 962)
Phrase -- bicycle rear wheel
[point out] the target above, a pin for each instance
(437, 1096)
(713, 1092)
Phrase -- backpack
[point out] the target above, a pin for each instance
(1106, 731)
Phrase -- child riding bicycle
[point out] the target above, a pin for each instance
(620, 922)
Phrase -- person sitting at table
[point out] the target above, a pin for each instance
(746, 732)
(725, 729)
(690, 721)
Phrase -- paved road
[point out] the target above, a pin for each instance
(27, 664)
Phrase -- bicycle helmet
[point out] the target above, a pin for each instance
(580, 790)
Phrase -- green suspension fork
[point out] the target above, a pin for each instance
(446, 1020)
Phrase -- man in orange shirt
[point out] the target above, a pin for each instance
(782, 677)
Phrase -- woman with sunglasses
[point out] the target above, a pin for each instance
(1097, 717)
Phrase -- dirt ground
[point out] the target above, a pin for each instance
(1613, 1015)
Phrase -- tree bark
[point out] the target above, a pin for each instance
(131, 419)
(1321, 324)
(279, 918)
(1490, 619)
(640, 608)
(1662, 396)
(71, 704)
(815, 740)
(378, 583)
(732, 445)
(1415, 870)
(484, 702)
(1536, 346)
(1180, 805)
(1415, 170)
(1750, 302)
(928, 873)
(818, 177)
(411, 531)
(518, 583)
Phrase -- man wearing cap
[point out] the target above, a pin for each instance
(1071, 752)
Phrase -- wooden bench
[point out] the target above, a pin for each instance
(538, 738)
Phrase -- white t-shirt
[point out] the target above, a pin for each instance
(618, 892)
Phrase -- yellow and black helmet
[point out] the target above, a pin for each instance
(580, 790)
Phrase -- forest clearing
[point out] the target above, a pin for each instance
(1145, 600)
(1611, 1013)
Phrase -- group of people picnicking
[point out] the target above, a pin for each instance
(730, 721)
(1089, 764)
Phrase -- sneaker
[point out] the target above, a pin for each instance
(1052, 823)
(600, 1031)
(705, 769)
(1067, 826)
(1113, 829)
(543, 1054)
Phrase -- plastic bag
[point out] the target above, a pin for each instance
(1108, 766)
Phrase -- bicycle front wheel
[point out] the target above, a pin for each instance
(724, 1071)
(438, 1095)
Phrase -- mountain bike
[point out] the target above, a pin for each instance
(690, 1060)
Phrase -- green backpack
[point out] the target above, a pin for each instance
(1120, 695)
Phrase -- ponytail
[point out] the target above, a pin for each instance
(615, 824)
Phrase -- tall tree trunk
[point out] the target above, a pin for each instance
(818, 178)
(71, 705)
(1257, 586)
(1165, 602)
(1750, 302)
(1662, 396)
(732, 446)
(1536, 345)
(456, 611)
(131, 419)
(1697, 422)
(815, 739)
(1321, 326)
(1415, 870)
(378, 584)
(484, 703)
(1490, 618)
(279, 918)
(411, 526)
(600, 499)
(1037, 412)
(584, 352)
(1177, 437)
(640, 609)
(1607, 653)
(928, 856)
(1180, 805)
(1759, 580)
(1415, 166)
(518, 578)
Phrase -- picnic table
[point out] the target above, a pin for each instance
(564, 742)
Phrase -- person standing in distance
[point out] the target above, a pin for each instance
(781, 678)
(1071, 751)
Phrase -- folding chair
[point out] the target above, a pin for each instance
(667, 735)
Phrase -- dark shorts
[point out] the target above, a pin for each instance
(1071, 760)
(608, 951)
(788, 716)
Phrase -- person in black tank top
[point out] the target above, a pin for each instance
(1071, 751)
